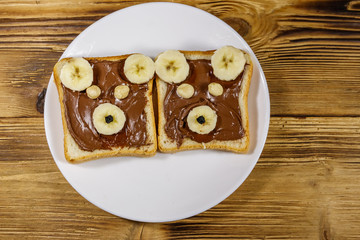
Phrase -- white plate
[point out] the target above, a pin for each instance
(165, 187)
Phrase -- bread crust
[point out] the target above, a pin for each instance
(74, 154)
(238, 146)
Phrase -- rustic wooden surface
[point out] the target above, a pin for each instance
(306, 184)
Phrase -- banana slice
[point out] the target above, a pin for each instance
(171, 66)
(185, 90)
(215, 89)
(121, 91)
(77, 74)
(139, 68)
(228, 62)
(108, 119)
(202, 119)
(93, 92)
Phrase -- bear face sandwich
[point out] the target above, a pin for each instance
(106, 106)
(202, 99)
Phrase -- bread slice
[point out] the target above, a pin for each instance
(75, 154)
(241, 145)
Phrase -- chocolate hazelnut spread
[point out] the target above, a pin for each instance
(226, 106)
(79, 108)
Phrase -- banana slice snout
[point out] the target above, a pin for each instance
(76, 74)
(139, 68)
(108, 119)
(171, 66)
(228, 62)
(202, 119)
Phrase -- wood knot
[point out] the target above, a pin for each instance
(239, 25)
(40, 101)
(353, 6)
(313, 184)
(324, 226)
(327, 5)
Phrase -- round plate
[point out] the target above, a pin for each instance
(165, 187)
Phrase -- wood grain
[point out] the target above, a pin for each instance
(306, 183)
(23, 75)
(289, 195)
(305, 49)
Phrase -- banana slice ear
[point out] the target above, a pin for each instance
(139, 68)
(171, 66)
(228, 62)
(76, 74)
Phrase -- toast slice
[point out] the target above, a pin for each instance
(82, 142)
(231, 132)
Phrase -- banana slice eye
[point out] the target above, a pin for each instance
(228, 62)
(185, 90)
(76, 74)
(93, 92)
(215, 89)
(202, 119)
(171, 66)
(121, 91)
(108, 119)
(139, 68)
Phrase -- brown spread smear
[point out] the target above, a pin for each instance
(79, 108)
(226, 106)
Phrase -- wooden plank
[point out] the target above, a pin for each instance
(303, 187)
(23, 75)
(292, 140)
(22, 139)
(313, 93)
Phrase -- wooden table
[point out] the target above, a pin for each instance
(306, 184)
